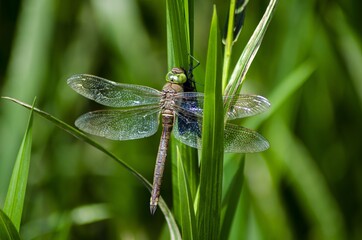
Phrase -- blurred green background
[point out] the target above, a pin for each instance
(308, 185)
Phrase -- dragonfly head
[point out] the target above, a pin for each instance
(176, 75)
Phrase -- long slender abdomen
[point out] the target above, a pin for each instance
(167, 122)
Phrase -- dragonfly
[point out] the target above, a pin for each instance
(138, 110)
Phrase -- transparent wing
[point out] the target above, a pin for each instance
(188, 129)
(243, 105)
(240, 139)
(113, 94)
(246, 105)
(124, 124)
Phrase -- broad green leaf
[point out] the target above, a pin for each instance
(7, 228)
(188, 220)
(175, 233)
(14, 201)
(211, 165)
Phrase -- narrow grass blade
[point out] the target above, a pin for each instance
(191, 165)
(189, 158)
(178, 45)
(188, 220)
(249, 53)
(7, 228)
(14, 201)
(211, 165)
(233, 27)
(179, 15)
(175, 233)
(228, 44)
(231, 200)
(189, 12)
(234, 24)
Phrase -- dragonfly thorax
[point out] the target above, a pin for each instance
(167, 102)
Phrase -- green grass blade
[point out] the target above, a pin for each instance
(189, 6)
(178, 45)
(179, 15)
(189, 158)
(233, 26)
(228, 44)
(249, 53)
(190, 163)
(211, 165)
(14, 201)
(7, 228)
(188, 220)
(231, 199)
(175, 233)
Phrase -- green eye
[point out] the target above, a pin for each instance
(176, 75)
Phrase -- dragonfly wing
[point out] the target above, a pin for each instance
(242, 105)
(190, 103)
(124, 124)
(111, 93)
(245, 105)
(243, 140)
(187, 129)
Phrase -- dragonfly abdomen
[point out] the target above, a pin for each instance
(167, 110)
(167, 124)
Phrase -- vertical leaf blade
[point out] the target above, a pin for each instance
(209, 206)
(246, 58)
(14, 201)
(231, 199)
(7, 228)
(178, 45)
(188, 220)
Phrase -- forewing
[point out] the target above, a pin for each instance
(243, 140)
(123, 124)
(243, 105)
(111, 93)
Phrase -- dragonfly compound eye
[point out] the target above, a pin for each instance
(176, 77)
